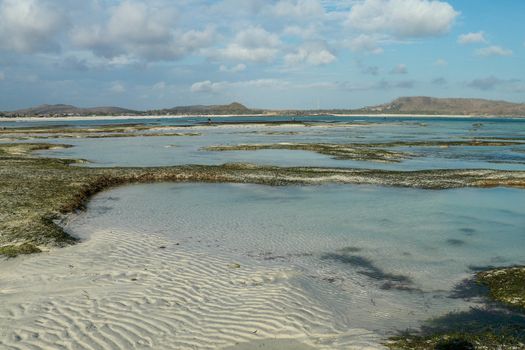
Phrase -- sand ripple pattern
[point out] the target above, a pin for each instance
(126, 291)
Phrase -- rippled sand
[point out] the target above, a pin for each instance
(128, 291)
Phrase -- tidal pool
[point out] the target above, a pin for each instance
(374, 258)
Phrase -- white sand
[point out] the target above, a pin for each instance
(122, 291)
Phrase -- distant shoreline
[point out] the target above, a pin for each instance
(131, 117)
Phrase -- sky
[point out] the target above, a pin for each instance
(276, 54)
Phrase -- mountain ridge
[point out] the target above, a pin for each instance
(457, 106)
(411, 105)
(65, 109)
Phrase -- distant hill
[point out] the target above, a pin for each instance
(68, 110)
(232, 108)
(61, 109)
(449, 106)
(418, 105)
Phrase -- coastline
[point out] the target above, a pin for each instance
(277, 115)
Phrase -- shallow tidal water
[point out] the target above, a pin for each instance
(374, 258)
(178, 150)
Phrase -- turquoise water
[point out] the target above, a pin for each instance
(165, 151)
(379, 258)
(86, 122)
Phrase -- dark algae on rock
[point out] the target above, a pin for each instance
(506, 285)
(499, 325)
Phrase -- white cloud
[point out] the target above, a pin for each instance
(252, 44)
(314, 54)
(440, 62)
(403, 18)
(222, 87)
(399, 69)
(234, 69)
(494, 51)
(2, 76)
(255, 37)
(257, 54)
(298, 8)
(137, 29)
(117, 87)
(472, 38)
(28, 26)
(305, 32)
(218, 87)
(364, 42)
(160, 86)
(195, 39)
(205, 86)
(122, 60)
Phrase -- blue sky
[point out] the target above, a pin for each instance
(267, 54)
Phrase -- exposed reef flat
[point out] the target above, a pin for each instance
(337, 151)
(375, 152)
(109, 131)
(96, 136)
(35, 191)
(140, 130)
(466, 143)
(59, 129)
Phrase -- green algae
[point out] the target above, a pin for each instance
(167, 134)
(374, 152)
(337, 151)
(99, 136)
(506, 285)
(491, 328)
(270, 133)
(488, 340)
(65, 130)
(468, 143)
(480, 328)
(12, 251)
(104, 131)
